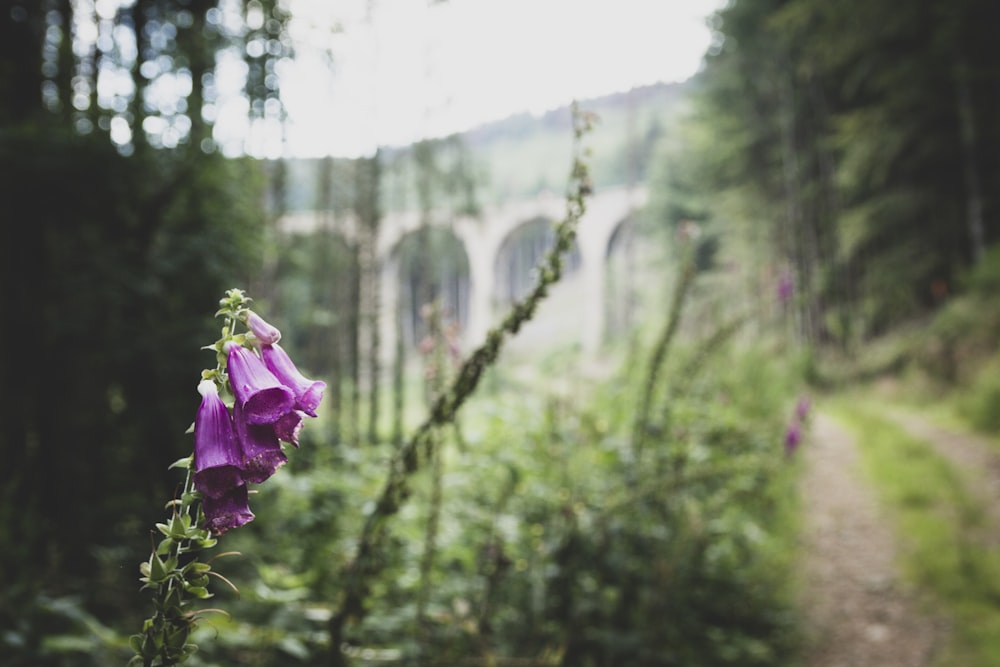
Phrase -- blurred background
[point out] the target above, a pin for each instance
(382, 177)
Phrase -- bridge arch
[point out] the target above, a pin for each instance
(426, 265)
(520, 253)
(482, 239)
(620, 279)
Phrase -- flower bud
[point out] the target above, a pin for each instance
(266, 333)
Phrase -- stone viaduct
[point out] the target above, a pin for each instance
(482, 238)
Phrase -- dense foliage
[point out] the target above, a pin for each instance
(115, 250)
(852, 145)
(559, 542)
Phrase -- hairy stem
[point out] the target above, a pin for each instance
(366, 565)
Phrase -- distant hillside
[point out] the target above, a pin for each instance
(524, 154)
(519, 156)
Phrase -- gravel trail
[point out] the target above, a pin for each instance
(857, 611)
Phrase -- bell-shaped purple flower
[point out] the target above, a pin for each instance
(792, 438)
(261, 396)
(786, 287)
(308, 393)
(265, 332)
(287, 428)
(262, 455)
(217, 456)
(231, 510)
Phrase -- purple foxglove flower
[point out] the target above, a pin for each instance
(231, 510)
(217, 456)
(262, 454)
(261, 396)
(265, 332)
(287, 427)
(786, 287)
(792, 437)
(308, 393)
(802, 408)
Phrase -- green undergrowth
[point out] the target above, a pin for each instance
(557, 540)
(949, 549)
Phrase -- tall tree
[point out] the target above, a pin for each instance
(860, 140)
(121, 255)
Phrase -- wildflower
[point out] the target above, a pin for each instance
(287, 428)
(217, 456)
(792, 438)
(261, 451)
(231, 510)
(260, 395)
(802, 408)
(265, 332)
(785, 287)
(308, 393)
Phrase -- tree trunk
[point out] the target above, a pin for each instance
(970, 170)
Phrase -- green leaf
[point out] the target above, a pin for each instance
(200, 581)
(197, 567)
(185, 462)
(170, 564)
(177, 529)
(199, 592)
(176, 639)
(151, 645)
(157, 570)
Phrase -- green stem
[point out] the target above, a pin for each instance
(445, 407)
(640, 427)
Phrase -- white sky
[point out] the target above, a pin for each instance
(400, 70)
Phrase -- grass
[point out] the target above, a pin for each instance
(942, 528)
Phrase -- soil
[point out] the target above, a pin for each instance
(857, 610)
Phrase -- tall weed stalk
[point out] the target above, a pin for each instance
(367, 563)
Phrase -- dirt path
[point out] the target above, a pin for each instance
(857, 612)
(975, 460)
